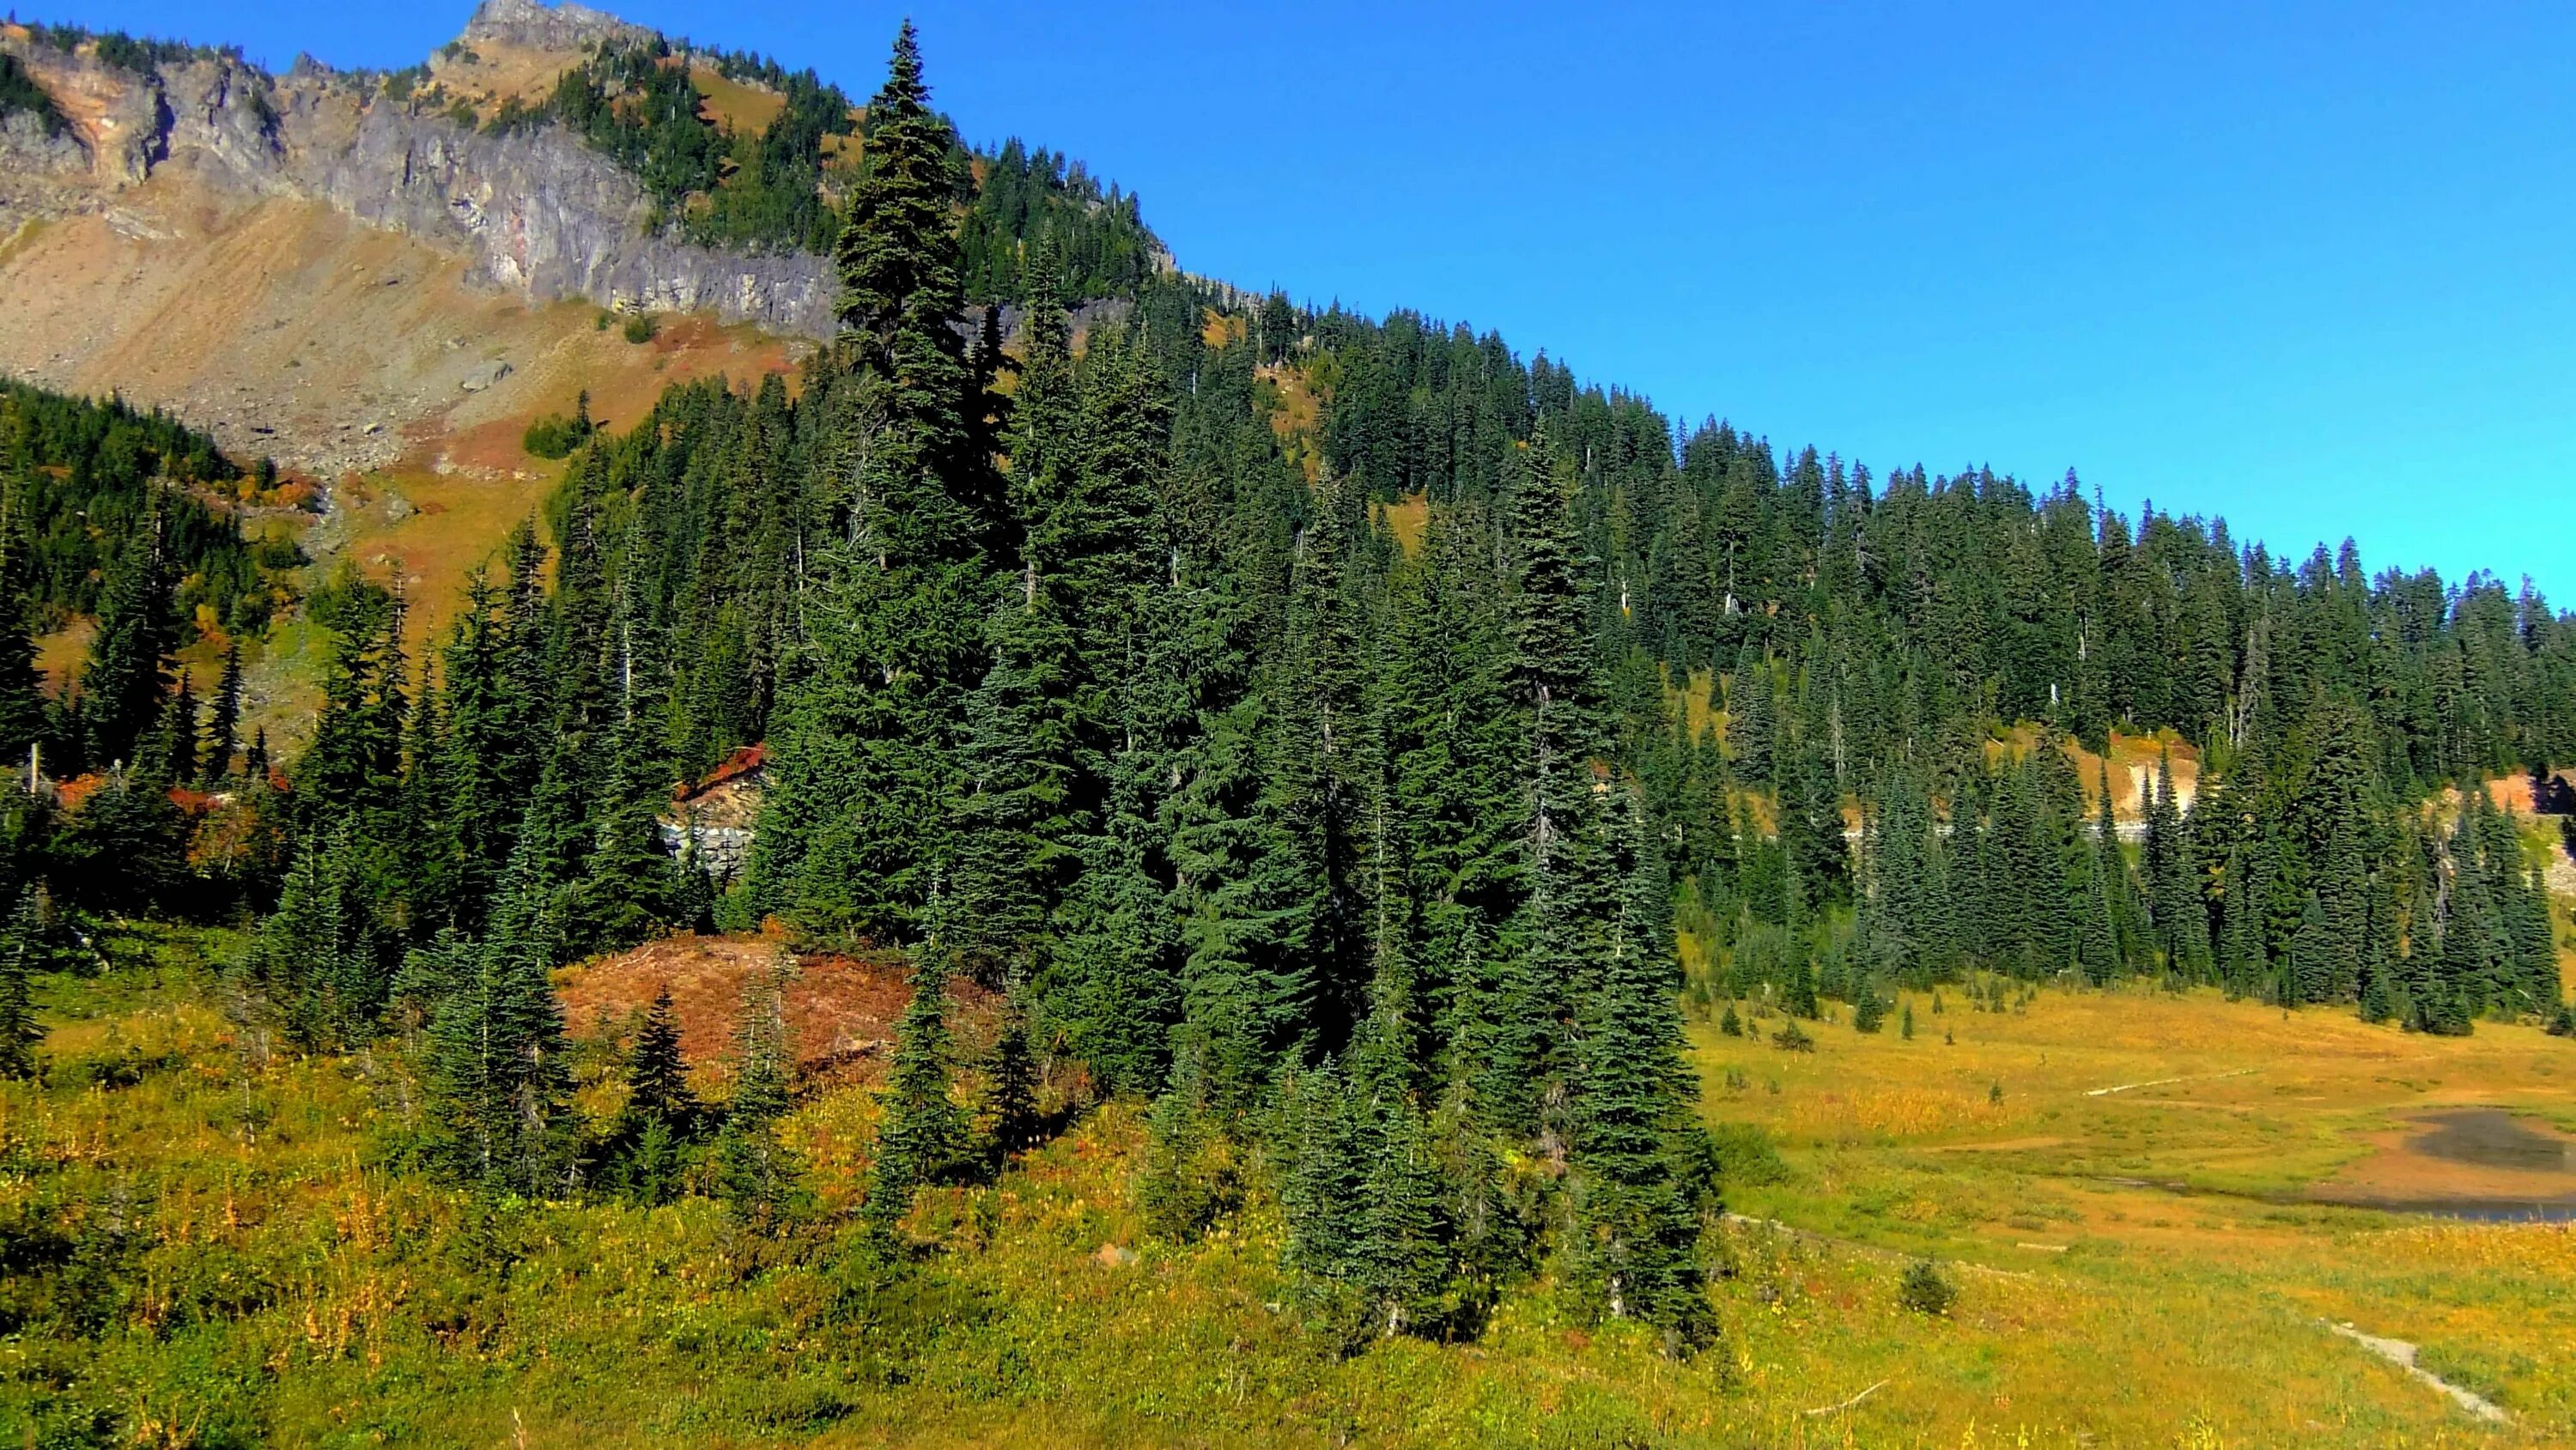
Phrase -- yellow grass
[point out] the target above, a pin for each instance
(1406, 518)
(2139, 1314)
(741, 110)
(1222, 329)
(2132, 758)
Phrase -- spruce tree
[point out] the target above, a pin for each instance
(649, 1145)
(223, 722)
(755, 1169)
(1012, 1081)
(1636, 1224)
(865, 750)
(1402, 1258)
(921, 1133)
(23, 715)
(127, 672)
(23, 953)
(499, 1077)
(657, 1080)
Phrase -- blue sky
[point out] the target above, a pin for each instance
(2305, 265)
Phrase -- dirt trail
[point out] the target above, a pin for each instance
(2402, 1354)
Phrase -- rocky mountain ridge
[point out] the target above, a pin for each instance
(536, 211)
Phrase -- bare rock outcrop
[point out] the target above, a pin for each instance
(537, 211)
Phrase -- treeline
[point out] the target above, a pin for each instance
(636, 102)
(1336, 779)
(105, 512)
(19, 93)
(143, 55)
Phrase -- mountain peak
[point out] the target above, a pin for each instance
(538, 26)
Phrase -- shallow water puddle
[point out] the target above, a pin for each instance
(2482, 1163)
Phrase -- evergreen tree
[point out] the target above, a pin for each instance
(223, 723)
(755, 1169)
(921, 1137)
(23, 953)
(1635, 1219)
(1012, 1078)
(23, 714)
(865, 755)
(128, 668)
(499, 1078)
(646, 1154)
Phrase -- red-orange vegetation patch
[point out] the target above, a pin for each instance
(737, 765)
(730, 795)
(2521, 794)
(841, 1010)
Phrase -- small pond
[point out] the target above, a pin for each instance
(2480, 1163)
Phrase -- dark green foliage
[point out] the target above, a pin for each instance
(1033, 203)
(649, 1149)
(867, 752)
(1924, 1289)
(754, 1169)
(88, 481)
(922, 1133)
(1636, 1209)
(499, 1077)
(125, 851)
(1011, 1076)
(556, 436)
(24, 951)
(318, 959)
(1869, 1009)
(19, 93)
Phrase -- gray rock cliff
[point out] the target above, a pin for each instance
(536, 210)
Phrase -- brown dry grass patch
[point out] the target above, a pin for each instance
(841, 1010)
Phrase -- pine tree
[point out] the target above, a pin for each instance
(500, 1081)
(1635, 1222)
(1869, 1009)
(865, 750)
(127, 672)
(1011, 1095)
(2173, 900)
(22, 686)
(23, 953)
(921, 1137)
(755, 1169)
(657, 1081)
(1402, 1259)
(170, 758)
(223, 724)
(1323, 1192)
(317, 957)
(648, 1147)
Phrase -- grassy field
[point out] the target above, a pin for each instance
(2123, 1179)
(256, 1261)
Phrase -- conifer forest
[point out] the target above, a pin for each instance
(1373, 787)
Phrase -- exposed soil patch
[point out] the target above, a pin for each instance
(841, 1010)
